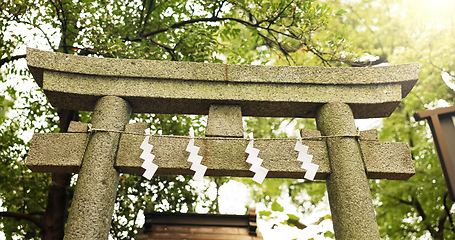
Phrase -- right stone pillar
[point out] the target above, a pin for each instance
(349, 194)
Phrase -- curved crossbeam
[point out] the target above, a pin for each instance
(77, 82)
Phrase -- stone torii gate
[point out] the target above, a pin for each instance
(113, 88)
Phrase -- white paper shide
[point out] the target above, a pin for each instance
(311, 168)
(195, 159)
(147, 156)
(260, 172)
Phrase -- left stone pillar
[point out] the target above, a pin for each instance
(94, 197)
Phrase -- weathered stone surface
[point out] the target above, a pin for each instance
(222, 156)
(61, 152)
(371, 134)
(77, 127)
(376, 157)
(331, 76)
(48, 154)
(224, 121)
(94, 197)
(39, 61)
(75, 82)
(347, 185)
(310, 133)
(138, 127)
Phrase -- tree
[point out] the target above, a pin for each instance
(34, 205)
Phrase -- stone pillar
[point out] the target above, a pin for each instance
(93, 203)
(347, 186)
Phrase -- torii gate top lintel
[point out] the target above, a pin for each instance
(77, 82)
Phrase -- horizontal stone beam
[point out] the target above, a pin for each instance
(63, 152)
(76, 82)
(56, 153)
(384, 160)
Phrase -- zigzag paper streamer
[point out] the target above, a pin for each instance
(260, 172)
(195, 159)
(304, 157)
(148, 165)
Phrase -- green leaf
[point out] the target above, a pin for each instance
(329, 234)
(340, 12)
(293, 217)
(277, 207)
(265, 213)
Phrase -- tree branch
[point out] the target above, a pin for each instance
(219, 9)
(447, 209)
(405, 202)
(282, 11)
(197, 20)
(419, 208)
(42, 31)
(150, 8)
(24, 216)
(441, 221)
(10, 59)
(422, 213)
(319, 55)
(210, 19)
(254, 25)
(282, 49)
(167, 48)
